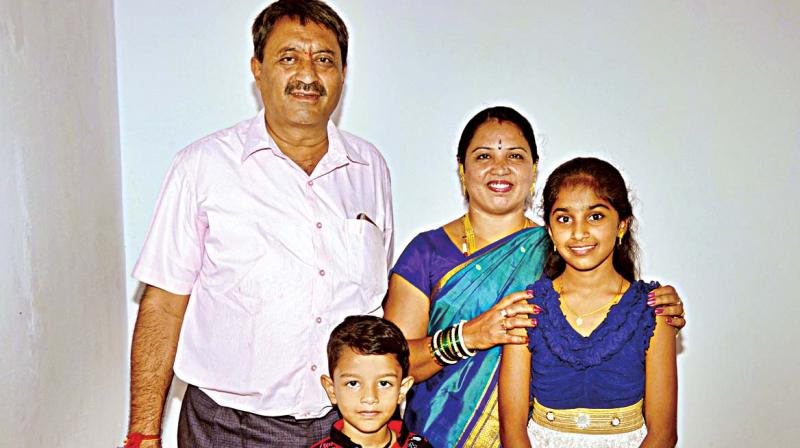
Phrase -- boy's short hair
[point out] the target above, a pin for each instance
(368, 335)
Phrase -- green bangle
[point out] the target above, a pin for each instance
(439, 351)
(449, 346)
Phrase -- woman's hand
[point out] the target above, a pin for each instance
(667, 303)
(504, 323)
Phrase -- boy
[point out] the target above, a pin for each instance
(368, 363)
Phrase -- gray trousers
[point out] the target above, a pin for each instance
(205, 424)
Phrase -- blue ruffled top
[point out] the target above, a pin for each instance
(602, 370)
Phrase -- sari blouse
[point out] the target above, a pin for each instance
(603, 370)
(427, 258)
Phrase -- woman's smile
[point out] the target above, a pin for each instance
(500, 186)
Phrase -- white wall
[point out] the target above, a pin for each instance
(62, 284)
(696, 101)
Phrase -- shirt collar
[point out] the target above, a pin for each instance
(396, 426)
(257, 139)
(338, 437)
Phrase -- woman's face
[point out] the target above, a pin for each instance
(498, 169)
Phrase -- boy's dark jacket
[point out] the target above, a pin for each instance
(404, 438)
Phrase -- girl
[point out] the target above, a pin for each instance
(601, 362)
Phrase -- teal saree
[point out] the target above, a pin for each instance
(457, 407)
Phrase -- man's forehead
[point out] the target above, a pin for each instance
(289, 29)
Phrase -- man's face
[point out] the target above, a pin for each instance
(300, 76)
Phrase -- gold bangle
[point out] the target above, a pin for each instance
(433, 354)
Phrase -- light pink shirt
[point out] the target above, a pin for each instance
(273, 259)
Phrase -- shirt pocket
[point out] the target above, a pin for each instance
(366, 257)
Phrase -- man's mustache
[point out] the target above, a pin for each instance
(300, 86)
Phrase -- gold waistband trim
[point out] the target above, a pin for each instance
(590, 421)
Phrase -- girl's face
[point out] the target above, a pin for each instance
(498, 168)
(584, 227)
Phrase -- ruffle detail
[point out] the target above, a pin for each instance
(624, 320)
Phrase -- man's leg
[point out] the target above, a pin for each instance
(205, 424)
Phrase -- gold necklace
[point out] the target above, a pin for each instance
(579, 317)
(468, 245)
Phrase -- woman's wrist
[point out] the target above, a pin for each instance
(447, 345)
(468, 336)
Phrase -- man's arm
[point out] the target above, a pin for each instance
(155, 341)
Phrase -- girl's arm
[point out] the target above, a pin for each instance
(661, 388)
(514, 396)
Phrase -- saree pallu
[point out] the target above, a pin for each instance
(457, 407)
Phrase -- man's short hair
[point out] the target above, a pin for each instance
(302, 10)
(368, 335)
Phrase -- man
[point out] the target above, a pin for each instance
(265, 236)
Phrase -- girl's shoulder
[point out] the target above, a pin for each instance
(637, 292)
(542, 289)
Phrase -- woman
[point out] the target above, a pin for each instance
(474, 269)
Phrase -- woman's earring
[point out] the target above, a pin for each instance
(461, 177)
(620, 235)
(533, 184)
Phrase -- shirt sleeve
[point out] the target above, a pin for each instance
(414, 264)
(388, 225)
(173, 249)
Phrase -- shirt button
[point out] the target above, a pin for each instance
(311, 183)
(314, 368)
(322, 272)
(319, 320)
(319, 225)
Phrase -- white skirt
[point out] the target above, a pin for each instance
(542, 437)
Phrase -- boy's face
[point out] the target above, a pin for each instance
(367, 389)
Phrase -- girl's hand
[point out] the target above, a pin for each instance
(504, 323)
(667, 303)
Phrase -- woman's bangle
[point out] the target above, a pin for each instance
(438, 352)
(447, 346)
(462, 344)
(456, 343)
(433, 355)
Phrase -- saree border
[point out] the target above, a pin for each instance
(476, 424)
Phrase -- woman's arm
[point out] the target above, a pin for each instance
(661, 388)
(514, 398)
(409, 309)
